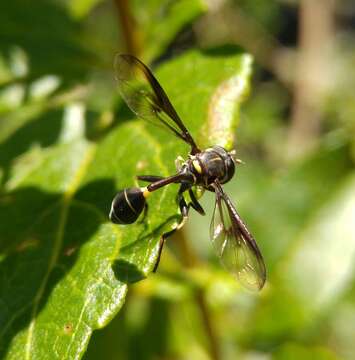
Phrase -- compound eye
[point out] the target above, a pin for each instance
(127, 205)
(229, 170)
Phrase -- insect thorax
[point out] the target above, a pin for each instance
(211, 164)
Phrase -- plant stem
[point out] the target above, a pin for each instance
(126, 22)
(190, 260)
(315, 38)
(207, 322)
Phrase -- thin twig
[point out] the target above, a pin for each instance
(127, 24)
(315, 37)
(190, 260)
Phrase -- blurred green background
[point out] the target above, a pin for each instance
(296, 190)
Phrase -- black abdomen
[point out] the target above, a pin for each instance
(127, 205)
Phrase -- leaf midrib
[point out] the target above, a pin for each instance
(67, 200)
(67, 197)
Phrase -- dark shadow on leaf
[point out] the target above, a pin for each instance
(96, 128)
(121, 115)
(20, 210)
(41, 131)
(99, 192)
(127, 272)
(184, 40)
(93, 128)
(29, 235)
(145, 235)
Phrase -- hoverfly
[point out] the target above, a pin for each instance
(209, 169)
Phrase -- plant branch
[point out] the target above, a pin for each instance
(191, 260)
(315, 38)
(127, 24)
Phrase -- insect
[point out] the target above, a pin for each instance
(208, 169)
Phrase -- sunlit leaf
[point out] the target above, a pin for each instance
(65, 267)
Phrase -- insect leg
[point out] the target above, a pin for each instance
(184, 209)
(195, 204)
(149, 178)
(161, 245)
(145, 213)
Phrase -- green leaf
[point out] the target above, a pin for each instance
(221, 121)
(329, 239)
(294, 351)
(53, 45)
(32, 126)
(160, 21)
(316, 273)
(64, 268)
(81, 8)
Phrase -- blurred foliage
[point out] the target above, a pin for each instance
(64, 138)
(159, 22)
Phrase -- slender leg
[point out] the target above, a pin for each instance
(177, 178)
(149, 178)
(145, 213)
(195, 204)
(184, 209)
(161, 245)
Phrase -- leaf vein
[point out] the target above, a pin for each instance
(57, 245)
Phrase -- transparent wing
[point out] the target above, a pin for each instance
(146, 98)
(235, 245)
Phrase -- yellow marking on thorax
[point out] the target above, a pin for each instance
(197, 166)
